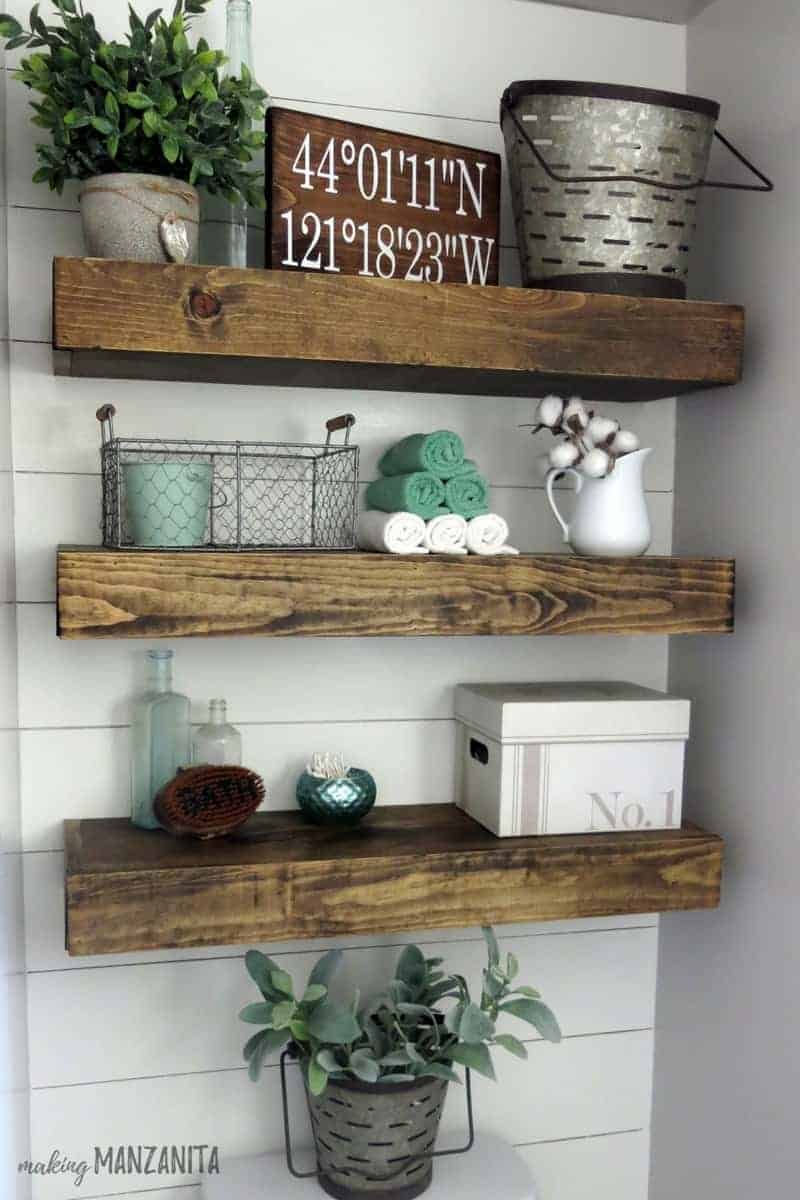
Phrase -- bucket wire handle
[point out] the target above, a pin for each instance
(766, 184)
(346, 421)
(288, 1053)
(105, 415)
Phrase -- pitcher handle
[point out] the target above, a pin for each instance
(552, 476)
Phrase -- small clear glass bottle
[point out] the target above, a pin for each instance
(239, 52)
(217, 743)
(160, 738)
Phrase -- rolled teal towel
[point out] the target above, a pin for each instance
(468, 467)
(467, 495)
(419, 492)
(441, 453)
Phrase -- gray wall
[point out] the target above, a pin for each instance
(728, 1045)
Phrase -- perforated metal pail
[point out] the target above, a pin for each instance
(376, 1140)
(605, 183)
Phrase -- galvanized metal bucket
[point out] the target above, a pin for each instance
(374, 1141)
(605, 183)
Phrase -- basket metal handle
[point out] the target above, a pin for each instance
(766, 184)
(288, 1053)
(346, 421)
(105, 415)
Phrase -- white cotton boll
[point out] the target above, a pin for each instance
(565, 454)
(575, 414)
(596, 463)
(625, 442)
(601, 429)
(549, 411)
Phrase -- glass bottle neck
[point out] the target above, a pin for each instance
(239, 37)
(161, 674)
(217, 712)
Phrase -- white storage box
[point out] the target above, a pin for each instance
(570, 757)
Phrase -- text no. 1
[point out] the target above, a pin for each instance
(350, 199)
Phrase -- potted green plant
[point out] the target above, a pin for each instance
(141, 123)
(376, 1074)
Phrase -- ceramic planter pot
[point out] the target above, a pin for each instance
(373, 1140)
(144, 218)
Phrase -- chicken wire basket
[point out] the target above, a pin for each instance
(181, 494)
(605, 183)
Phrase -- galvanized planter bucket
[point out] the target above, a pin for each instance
(605, 183)
(374, 1141)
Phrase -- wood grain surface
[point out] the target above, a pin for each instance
(335, 184)
(140, 593)
(405, 868)
(144, 320)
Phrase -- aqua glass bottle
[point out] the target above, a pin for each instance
(217, 742)
(239, 52)
(160, 738)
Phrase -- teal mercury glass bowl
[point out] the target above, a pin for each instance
(336, 801)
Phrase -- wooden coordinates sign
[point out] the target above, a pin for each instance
(348, 199)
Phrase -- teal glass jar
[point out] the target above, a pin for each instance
(343, 801)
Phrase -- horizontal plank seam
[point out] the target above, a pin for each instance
(347, 949)
(243, 724)
(400, 112)
(584, 1137)
(75, 212)
(60, 1087)
(501, 487)
(175, 1187)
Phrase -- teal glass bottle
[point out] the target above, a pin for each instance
(239, 52)
(160, 738)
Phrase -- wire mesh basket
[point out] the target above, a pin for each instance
(181, 494)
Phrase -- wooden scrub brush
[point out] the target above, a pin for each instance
(208, 801)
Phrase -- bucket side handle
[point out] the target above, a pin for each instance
(288, 1054)
(765, 184)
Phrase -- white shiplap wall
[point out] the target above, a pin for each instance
(145, 1048)
(14, 1099)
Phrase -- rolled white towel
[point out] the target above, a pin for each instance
(487, 535)
(446, 534)
(392, 533)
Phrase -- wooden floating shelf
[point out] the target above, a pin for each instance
(218, 324)
(153, 593)
(406, 868)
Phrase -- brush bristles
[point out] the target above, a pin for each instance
(208, 801)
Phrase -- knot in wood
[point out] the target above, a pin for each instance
(204, 305)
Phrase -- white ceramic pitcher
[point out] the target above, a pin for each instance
(611, 515)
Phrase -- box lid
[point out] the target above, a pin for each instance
(567, 711)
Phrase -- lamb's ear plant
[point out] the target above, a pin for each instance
(425, 1024)
(152, 104)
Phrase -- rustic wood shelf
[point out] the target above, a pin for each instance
(153, 593)
(218, 324)
(405, 868)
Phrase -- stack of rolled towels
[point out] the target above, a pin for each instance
(431, 499)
